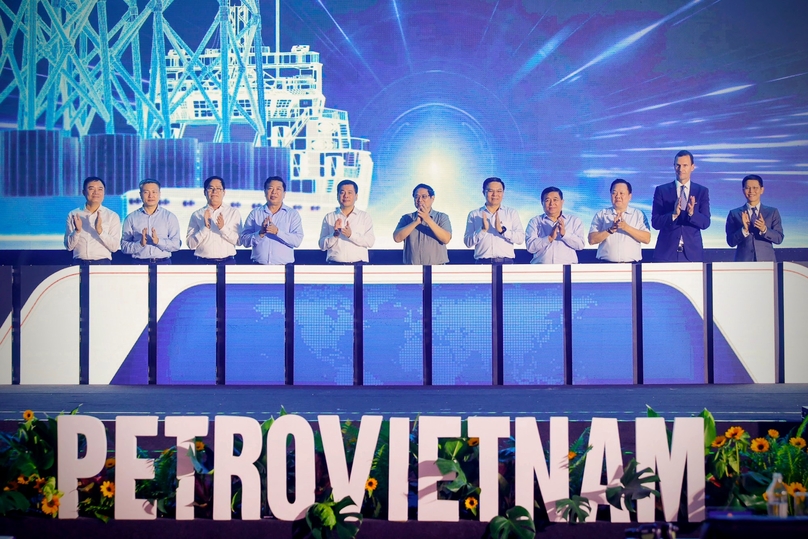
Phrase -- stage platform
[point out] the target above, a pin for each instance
(735, 403)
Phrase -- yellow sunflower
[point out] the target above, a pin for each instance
(734, 433)
(109, 463)
(471, 503)
(108, 489)
(22, 480)
(200, 445)
(371, 484)
(797, 442)
(28, 415)
(719, 441)
(571, 455)
(40, 482)
(759, 445)
(774, 433)
(50, 507)
(795, 487)
(474, 442)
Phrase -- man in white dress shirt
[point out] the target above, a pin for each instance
(213, 231)
(553, 237)
(493, 229)
(618, 231)
(347, 233)
(93, 232)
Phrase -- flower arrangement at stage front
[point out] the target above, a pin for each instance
(740, 467)
(97, 494)
(27, 463)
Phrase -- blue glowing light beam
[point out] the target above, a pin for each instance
(348, 40)
(624, 43)
(401, 31)
(488, 25)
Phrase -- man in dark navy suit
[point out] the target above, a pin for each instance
(753, 227)
(680, 212)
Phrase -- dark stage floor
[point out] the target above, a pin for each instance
(756, 402)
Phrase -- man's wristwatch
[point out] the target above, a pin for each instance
(503, 230)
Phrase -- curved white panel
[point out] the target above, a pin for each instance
(49, 331)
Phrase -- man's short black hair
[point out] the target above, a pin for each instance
(549, 190)
(683, 153)
(492, 179)
(148, 181)
(343, 183)
(751, 177)
(274, 179)
(620, 180)
(423, 186)
(89, 179)
(207, 182)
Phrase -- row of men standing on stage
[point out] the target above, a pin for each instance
(680, 211)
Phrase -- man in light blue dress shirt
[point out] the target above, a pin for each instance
(554, 237)
(150, 233)
(273, 230)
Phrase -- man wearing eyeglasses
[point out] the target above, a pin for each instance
(425, 232)
(273, 230)
(493, 229)
(213, 232)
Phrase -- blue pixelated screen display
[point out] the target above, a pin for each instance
(461, 334)
(393, 333)
(324, 334)
(462, 347)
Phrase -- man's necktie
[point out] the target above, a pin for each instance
(682, 199)
(753, 219)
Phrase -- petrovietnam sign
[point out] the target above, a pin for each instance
(82, 452)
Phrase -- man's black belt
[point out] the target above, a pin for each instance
(495, 260)
(225, 260)
(166, 260)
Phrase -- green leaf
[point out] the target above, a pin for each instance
(327, 520)
(802, 427)
(322, 515)
(631, 486)
(453, 447)
(709, 429)
(755, 483)
(11, 500)
(574, 509)
(446, 466)
(516, 524)
(649, 412)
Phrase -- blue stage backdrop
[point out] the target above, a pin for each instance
(462, 338)
(395, 92)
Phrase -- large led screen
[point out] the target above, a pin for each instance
(390, 93)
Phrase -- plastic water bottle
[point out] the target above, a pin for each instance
(778, 497)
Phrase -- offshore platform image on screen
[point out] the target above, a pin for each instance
(92, 99)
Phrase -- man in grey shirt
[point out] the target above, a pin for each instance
(425, 232)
